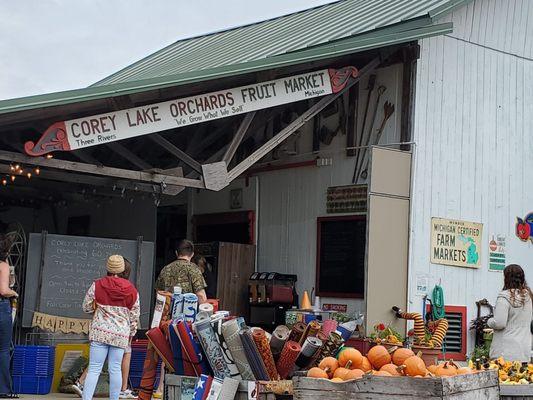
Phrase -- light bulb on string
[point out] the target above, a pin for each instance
(28, 175)
(13, 178)
(11, 167)
(49, 156)
(20, 171)
(17, 167)
(4, 181)
(37, 171)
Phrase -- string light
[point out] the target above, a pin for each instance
(28, 175)
(49, 156)
(11, 167)
(4, 181)
(12, 178)
(17, 167)
(37, 171)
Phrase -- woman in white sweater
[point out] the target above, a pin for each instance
(512, 318)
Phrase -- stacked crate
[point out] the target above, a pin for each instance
(33, 369)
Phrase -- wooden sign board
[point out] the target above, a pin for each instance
(109, 127)
(456, 243)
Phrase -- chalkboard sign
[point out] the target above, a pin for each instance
(341, 244)
(69, 266)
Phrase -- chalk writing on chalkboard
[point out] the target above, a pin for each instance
(341, 256)
(70, 265)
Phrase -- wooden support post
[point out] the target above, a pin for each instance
(297, 123)
(102, 171)
(237, 139)
(180, 154)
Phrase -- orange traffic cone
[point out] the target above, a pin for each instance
(306, 303)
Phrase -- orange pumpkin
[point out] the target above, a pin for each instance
(446, 369)
(379, 356)
(414, 366)
(350, 358)
(340, 373)
(337, 380)
(365, 365)
(353, 374)
(432, 369)
(381, 373)
(464, 371)
(329, 364)
(400, 355)
(316, 372)
(391, 369)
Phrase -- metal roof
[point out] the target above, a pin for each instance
(289, 33)
(339, 28)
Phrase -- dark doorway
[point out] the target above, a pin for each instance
(171, 228)
(233, 227)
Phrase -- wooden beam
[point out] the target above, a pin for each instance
(237, 139)
(102, 171)
(171, 148)
(297, 123)
(129, 155)
(91, 180)
(85, 157)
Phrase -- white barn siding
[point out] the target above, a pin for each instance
(291, 200)
(474, 147)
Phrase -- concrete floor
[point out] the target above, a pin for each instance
(51, 396)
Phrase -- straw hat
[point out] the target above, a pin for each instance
(115, 264)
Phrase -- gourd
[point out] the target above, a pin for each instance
(446, 369)
(336, 380)
(329, 365)
(379, 356)
(381, 373)
(353, 374)
(414, 366)
(365, 365)
(350, 358)
(316, 372)
(464, 371)
(400, 355)
(341, 373)
(391, 369)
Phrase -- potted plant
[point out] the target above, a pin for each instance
(386, 336)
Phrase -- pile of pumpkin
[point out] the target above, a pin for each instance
(380, 361)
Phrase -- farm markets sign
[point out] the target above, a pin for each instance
(456, 243)
(109, 127)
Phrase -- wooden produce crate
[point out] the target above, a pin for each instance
(516, 392)
(176, 384)
(479, 386)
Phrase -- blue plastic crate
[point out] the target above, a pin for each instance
(33, 360)
(28, 384)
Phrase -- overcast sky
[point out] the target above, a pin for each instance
(54, 45)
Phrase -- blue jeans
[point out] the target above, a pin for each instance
(97, 356)
(6, 332)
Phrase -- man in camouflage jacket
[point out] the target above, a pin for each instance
(183, 273)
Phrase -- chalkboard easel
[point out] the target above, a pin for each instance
(341, 246)
(65, 267)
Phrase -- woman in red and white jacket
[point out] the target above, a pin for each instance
(114, 302)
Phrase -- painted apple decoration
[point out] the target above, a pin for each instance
(523, 229)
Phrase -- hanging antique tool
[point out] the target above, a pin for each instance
(388, 110)
(365, 138)
(370, 89)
